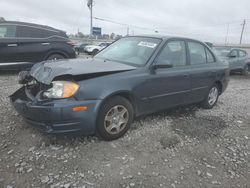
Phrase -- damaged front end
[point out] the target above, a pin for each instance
(37, 104)
(48, 98)
(50, 107)
(32, 90)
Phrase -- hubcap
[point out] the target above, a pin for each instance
(213, 95)
(116, 119)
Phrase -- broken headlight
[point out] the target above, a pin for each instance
(61, 89)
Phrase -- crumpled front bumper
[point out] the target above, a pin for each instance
(56, 116)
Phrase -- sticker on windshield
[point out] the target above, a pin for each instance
(147, 44)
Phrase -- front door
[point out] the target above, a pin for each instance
(169, 85)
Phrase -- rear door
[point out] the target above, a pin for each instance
(8, 44)
(33, 43)
(243, 58)
(203, 75)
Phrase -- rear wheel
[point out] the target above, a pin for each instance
(211, 98)
(246, 70)
(55, 57)
(114, 118)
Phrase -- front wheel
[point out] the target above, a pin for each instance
(246, 70)
(114, 118)
(211, 98)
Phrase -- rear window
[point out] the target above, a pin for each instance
(7, 31)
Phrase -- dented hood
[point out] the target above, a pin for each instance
(45, 72)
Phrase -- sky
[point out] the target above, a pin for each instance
(211, 20)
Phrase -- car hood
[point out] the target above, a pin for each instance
(45, 72)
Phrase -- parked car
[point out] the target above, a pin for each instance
(23, 44)
(94, 49)
(79, 48)
(239, 60)
(134, 76)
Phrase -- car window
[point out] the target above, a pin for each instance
(7, 31)
(210, 57)
(242, 53)
(31, 32)
(234, 53)
(174, 53)
(102, 44)
(197, 53)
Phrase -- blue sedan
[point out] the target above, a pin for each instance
(134, 76)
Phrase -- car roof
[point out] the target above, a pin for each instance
(227, 47)
(165, 37)
(237, 49)
(31, 25)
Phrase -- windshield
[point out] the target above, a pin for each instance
(222, 52)
(134, 51)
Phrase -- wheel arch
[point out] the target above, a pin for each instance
(219, 84)
(125, 94)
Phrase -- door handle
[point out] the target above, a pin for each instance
(45, 44)
(12, 45)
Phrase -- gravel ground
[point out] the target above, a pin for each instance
(184, 147)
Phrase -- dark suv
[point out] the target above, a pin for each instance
(23, 44)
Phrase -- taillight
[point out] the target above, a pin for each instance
(71, 43)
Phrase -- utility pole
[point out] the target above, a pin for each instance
(226, 39)
(242, 31)
(90, 5)
(128, 31)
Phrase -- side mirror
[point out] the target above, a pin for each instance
(162, 64)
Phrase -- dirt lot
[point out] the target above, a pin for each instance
(184, 147)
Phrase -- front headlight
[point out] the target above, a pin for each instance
(61, 89)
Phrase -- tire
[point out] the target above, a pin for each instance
(55, 57)
(114, 118)
(211, 98)
(246, 70)
(95, 51)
